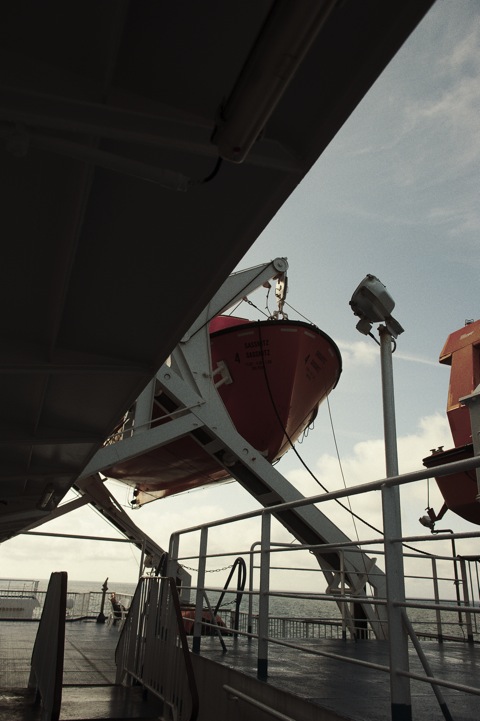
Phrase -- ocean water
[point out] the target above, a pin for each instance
(95, 586)
(301, 608)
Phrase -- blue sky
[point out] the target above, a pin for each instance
(395, 195)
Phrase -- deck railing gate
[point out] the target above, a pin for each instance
(153, 648)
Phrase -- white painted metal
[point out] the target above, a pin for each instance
(263, 601)
(202, 560)
(400, 684)
(153, 649)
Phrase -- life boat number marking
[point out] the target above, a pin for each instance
(257, 348)
(256, 353)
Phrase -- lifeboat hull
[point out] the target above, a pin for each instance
(462, 352)
(280, 372)
(459, 490)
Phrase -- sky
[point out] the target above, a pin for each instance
(395, 195)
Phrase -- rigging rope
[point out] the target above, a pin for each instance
(341, 467)
(308, 469)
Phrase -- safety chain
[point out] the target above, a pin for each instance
(229, 603)
(210, 570)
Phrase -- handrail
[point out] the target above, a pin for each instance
(466, 464)
(153, 647)
(46, 673)
(469, 608)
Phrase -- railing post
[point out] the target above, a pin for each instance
(263, 606)
(173, 554)
(342, 590)
(437, 601)
(202, 562)
(475, 620)
(250, 588)
(401, 703)
(466, 599)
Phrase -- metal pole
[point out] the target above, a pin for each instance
(142, 558)
(202, 563)
(466, 600)
(437, 601)
(401, 703)
(263, 602)
(250, 588)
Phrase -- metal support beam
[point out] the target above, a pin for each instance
(139, 443)
(236, 287)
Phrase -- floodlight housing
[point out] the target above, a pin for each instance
(373, 304)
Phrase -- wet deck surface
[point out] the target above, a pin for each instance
(358, 692)
(355, 692)
(89, 653)
(89, 662)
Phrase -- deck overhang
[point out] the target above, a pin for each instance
(113, 243)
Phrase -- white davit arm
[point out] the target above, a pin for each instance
(236, 287)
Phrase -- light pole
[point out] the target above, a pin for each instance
(372, 304)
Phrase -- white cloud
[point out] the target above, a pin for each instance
(359, 353)
(367, 463)
(415, 359)
(464, 56)
(366, 353)
(38, 557)
(446, 114)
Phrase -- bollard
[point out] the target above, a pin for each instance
(101, 618)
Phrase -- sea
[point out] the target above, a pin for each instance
(299, 608)
(279, 606)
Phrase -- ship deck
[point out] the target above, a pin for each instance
(348, 691)
(89, 663)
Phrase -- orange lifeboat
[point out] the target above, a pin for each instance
(462, 352)
(281, 370)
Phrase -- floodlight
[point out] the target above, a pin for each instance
(372, 304)
(427, 522)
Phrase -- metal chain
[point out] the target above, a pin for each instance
(210, 570)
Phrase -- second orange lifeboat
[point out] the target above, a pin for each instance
(462, 352)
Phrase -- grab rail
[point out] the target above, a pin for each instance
(46, 674)
(336, 590)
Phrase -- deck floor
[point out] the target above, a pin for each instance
(351, 691)
(89, 662)
(355, 692)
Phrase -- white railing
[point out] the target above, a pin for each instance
(433, 612)
(79, 606)
(153, 648)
